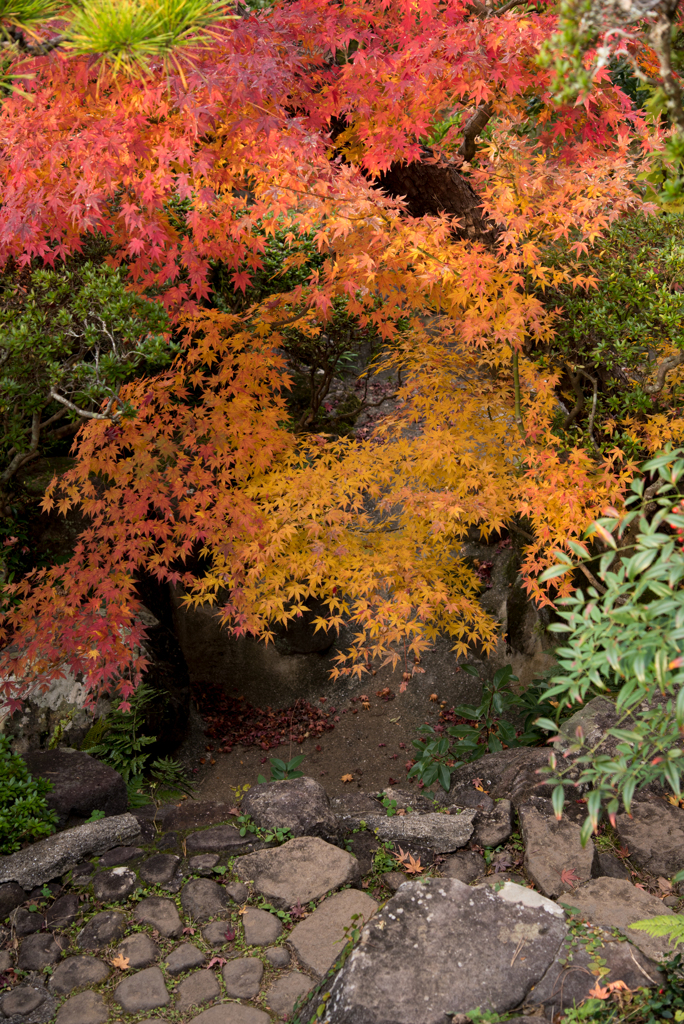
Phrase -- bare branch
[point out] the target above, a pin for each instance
(83, 413)
(474, 126)
(662, 372)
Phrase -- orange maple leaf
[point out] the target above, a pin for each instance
(602, 992)
(410, 864)
(347, 778)
(568, 876)
(121, 962)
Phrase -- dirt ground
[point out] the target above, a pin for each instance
(371, 741)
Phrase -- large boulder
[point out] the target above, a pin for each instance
(441, 948)
(514, 774)
(302, 805)
(82, 784)
(589, 726)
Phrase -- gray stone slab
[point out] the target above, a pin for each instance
(63, 911)
(77, 972)
(494, 826)
(48, 858)
(261, 928)
(443, 833)
(466, 865)
(200, 987)
(222, 839)
(85, 1008)
(39, 951)
(159, 869)
(139, 950)
(114, 885)
(302, 805)
(231, 1013)
(102, 929)
(319, 939)
(242, 977)
(144, 990)
(616, 903)
(203, 864)
(286, 990)
(299, 871)
(277, 956)
(184, 958)
(162, 914)
(654, 835)
(203, 898)
(552, 847)
(441, 947)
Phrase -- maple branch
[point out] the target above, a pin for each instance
(507, 7)
(83, 413)
(667, 364)
(592, 579)
(21, 458)
(475, 125)
(579, 395)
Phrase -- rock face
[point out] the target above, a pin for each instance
(443, 833)
(299, 871)
(654, 835)
(319, 939)
(494, 826)
(302, 805)
(51, 857)
(442, 947)
(82, 784)
(593, 719)
(552, 847)
(615, 903)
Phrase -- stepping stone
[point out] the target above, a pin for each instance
(159, 869)
(24, 922)
(441, 947)
(203, 898)
(184, 958)
(203, 864)
(654, 834)
(22, 1000)
(284, 992)
(495, 826)
(319, 939)
(162, 914)
(261, 928)
(86, 1008)
(63, 911)
(238, 892)
(101, 930)
(231, 1013)
(302, 805)
(76, 972)
(142, 991)
(616, 903)
(214, 933)
(139, 949)
(224, 839)
(38, 951)
(277, 956)
(465, 865)
(119, 855)
(552, 847)
(299, 871)
(200, 987)
(116, 884)
(242, 977)
(81, 874)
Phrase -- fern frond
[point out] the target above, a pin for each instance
(670, 926)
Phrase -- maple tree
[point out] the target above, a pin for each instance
(190, 149)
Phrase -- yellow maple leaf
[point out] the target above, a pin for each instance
(121, 962)
(347, 778)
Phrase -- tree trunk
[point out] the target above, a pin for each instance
(433, 188)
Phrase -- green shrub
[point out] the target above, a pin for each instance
(628, 641)
(24, 813)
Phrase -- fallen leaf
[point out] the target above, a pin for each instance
(623, 851)
(233, 810)
(433, 696)
(568, 876)
(410, 864)
(188, 931)
(665, 885)
(229, 934)
(602, 992)
(121, 962)
(347, 778)
(216, 961)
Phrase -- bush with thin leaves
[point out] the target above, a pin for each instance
(626, 640)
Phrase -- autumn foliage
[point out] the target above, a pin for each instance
(286, 120)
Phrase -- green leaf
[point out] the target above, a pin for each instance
(444, 776)
(558, 800)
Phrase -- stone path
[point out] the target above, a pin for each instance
(205, 926)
